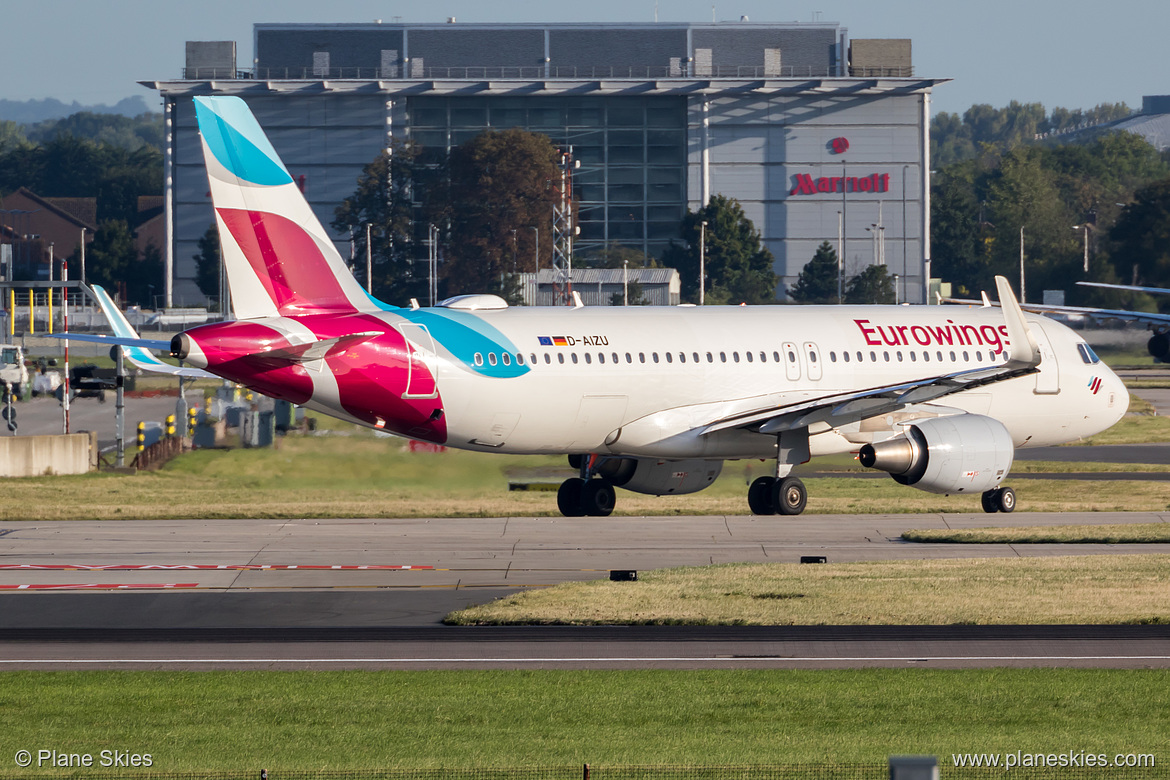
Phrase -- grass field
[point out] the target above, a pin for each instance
(1131, 533)
(384, 720)
(1095, 589)
(365, 476)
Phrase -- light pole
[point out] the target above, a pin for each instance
(535, 249)
(1085, 228)
(369, 263)
(702, 261)
(840, 251)
(1023, 297)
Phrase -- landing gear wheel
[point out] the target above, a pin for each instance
(597, 498)
(789, 496)
(569, 497)
(760, 496)
(1006, 500)
(999, 500)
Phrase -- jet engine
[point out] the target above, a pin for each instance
(1159, 346)
(966, 453)
(661, 477)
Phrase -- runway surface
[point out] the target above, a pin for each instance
(370, 594)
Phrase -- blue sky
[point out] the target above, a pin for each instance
(1074, 53)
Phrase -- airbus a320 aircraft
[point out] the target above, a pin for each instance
(652, 400)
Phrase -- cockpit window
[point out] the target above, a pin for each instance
(1087, 353)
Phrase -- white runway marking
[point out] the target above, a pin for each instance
(600, 659)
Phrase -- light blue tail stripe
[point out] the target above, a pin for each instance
(234, 136)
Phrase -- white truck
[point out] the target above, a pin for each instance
(13, 372)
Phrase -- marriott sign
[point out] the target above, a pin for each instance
(805, 184)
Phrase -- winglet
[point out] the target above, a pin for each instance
(1023, 349)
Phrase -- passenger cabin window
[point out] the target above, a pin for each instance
(491, 358)
(507, 358)
(722, 357)
(560, 357)
(574, 357)
(776, 357)
(669, 358)
(832, 357)
(588, 358)
(748, 355)
(710, 358)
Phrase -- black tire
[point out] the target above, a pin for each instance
(789, 496)
(569, 497)
(598, 498)
(990, 501)
(1006, 500)
(760, 496)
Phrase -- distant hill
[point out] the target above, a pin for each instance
(32, 111)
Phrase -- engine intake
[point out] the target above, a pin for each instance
(967, 453)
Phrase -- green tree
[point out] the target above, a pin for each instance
(1024, 195)
(496, 183)
(738, 266)
(112, 261)
(384, 200)
(956, 234)
(207, 263)
(1141, 237)
(817, 281)
(873, 285)
(11, 135)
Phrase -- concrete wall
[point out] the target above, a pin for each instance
(36, 456)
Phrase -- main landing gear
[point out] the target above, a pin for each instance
(999, 500)
(586, 494)
(777, 496)
(782, 494)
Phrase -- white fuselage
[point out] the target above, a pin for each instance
(645, 381)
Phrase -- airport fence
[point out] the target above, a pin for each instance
(852, 771)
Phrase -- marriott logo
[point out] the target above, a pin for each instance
(805, 184)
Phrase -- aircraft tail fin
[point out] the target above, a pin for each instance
(279, 259)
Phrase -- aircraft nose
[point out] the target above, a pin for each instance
(1116, 396)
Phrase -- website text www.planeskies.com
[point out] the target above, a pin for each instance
(1064, 760)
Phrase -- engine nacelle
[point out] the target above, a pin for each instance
(661, 477)
(1159, 346)
(967, 453)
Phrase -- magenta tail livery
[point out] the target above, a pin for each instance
(652, 400)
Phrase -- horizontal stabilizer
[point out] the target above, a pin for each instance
(101, 338)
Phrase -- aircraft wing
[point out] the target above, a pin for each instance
(845, 408)
(135, 348)
(1130, 287)
(1125, 315)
